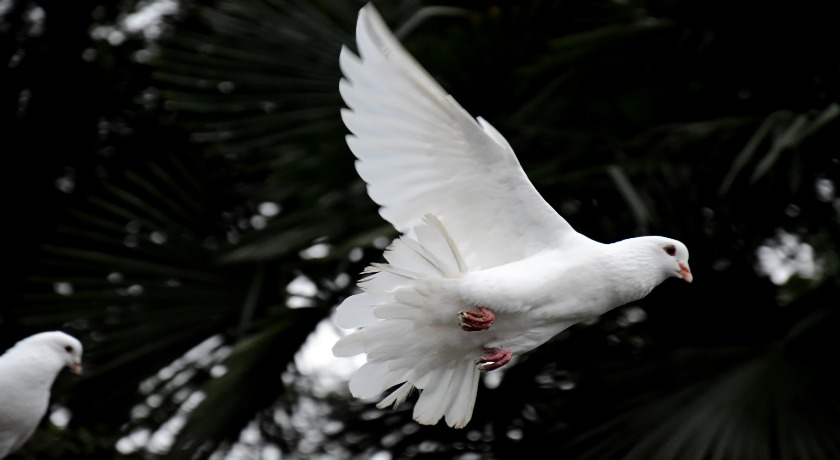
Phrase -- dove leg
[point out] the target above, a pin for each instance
(494, 359)
(476, 321)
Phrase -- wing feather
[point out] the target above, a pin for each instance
(421, 153)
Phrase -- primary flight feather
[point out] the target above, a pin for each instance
(485, 268)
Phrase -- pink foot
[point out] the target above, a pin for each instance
(494, 359)
(476, 321)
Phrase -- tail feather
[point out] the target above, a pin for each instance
(396, 310)
(430, 408)
(383, 281)
(452, 396)
(463, 394)
(373, 378)
(381, 334)
(359, 310)
(401, 342)
(397, 270)
(397, 397)
(368, 380)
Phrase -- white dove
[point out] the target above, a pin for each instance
(485, 269)
(27, 372)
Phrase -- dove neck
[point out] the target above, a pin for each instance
(633, 268)
(36, 367)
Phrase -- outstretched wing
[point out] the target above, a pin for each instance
(420, 152)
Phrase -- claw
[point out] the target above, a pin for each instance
(494, 359)
(476, 321)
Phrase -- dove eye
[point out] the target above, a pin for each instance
(68, 349)
(670, 250)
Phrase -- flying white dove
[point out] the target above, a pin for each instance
(27, 372)
(485, 269)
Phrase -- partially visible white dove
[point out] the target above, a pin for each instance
(486, 269)
(27, 372)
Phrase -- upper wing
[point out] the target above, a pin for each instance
(420, 152)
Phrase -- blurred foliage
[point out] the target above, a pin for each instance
(167, 186)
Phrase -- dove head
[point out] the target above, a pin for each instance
(671, 255)
(655, 259)
(57, 347)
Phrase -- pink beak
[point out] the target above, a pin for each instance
(685, 272)
(76, 368)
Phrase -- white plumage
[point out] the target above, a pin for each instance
(27, 372)
(485, 268)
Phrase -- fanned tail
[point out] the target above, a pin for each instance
(398, 334)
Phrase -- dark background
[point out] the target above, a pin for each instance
(136, 164)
